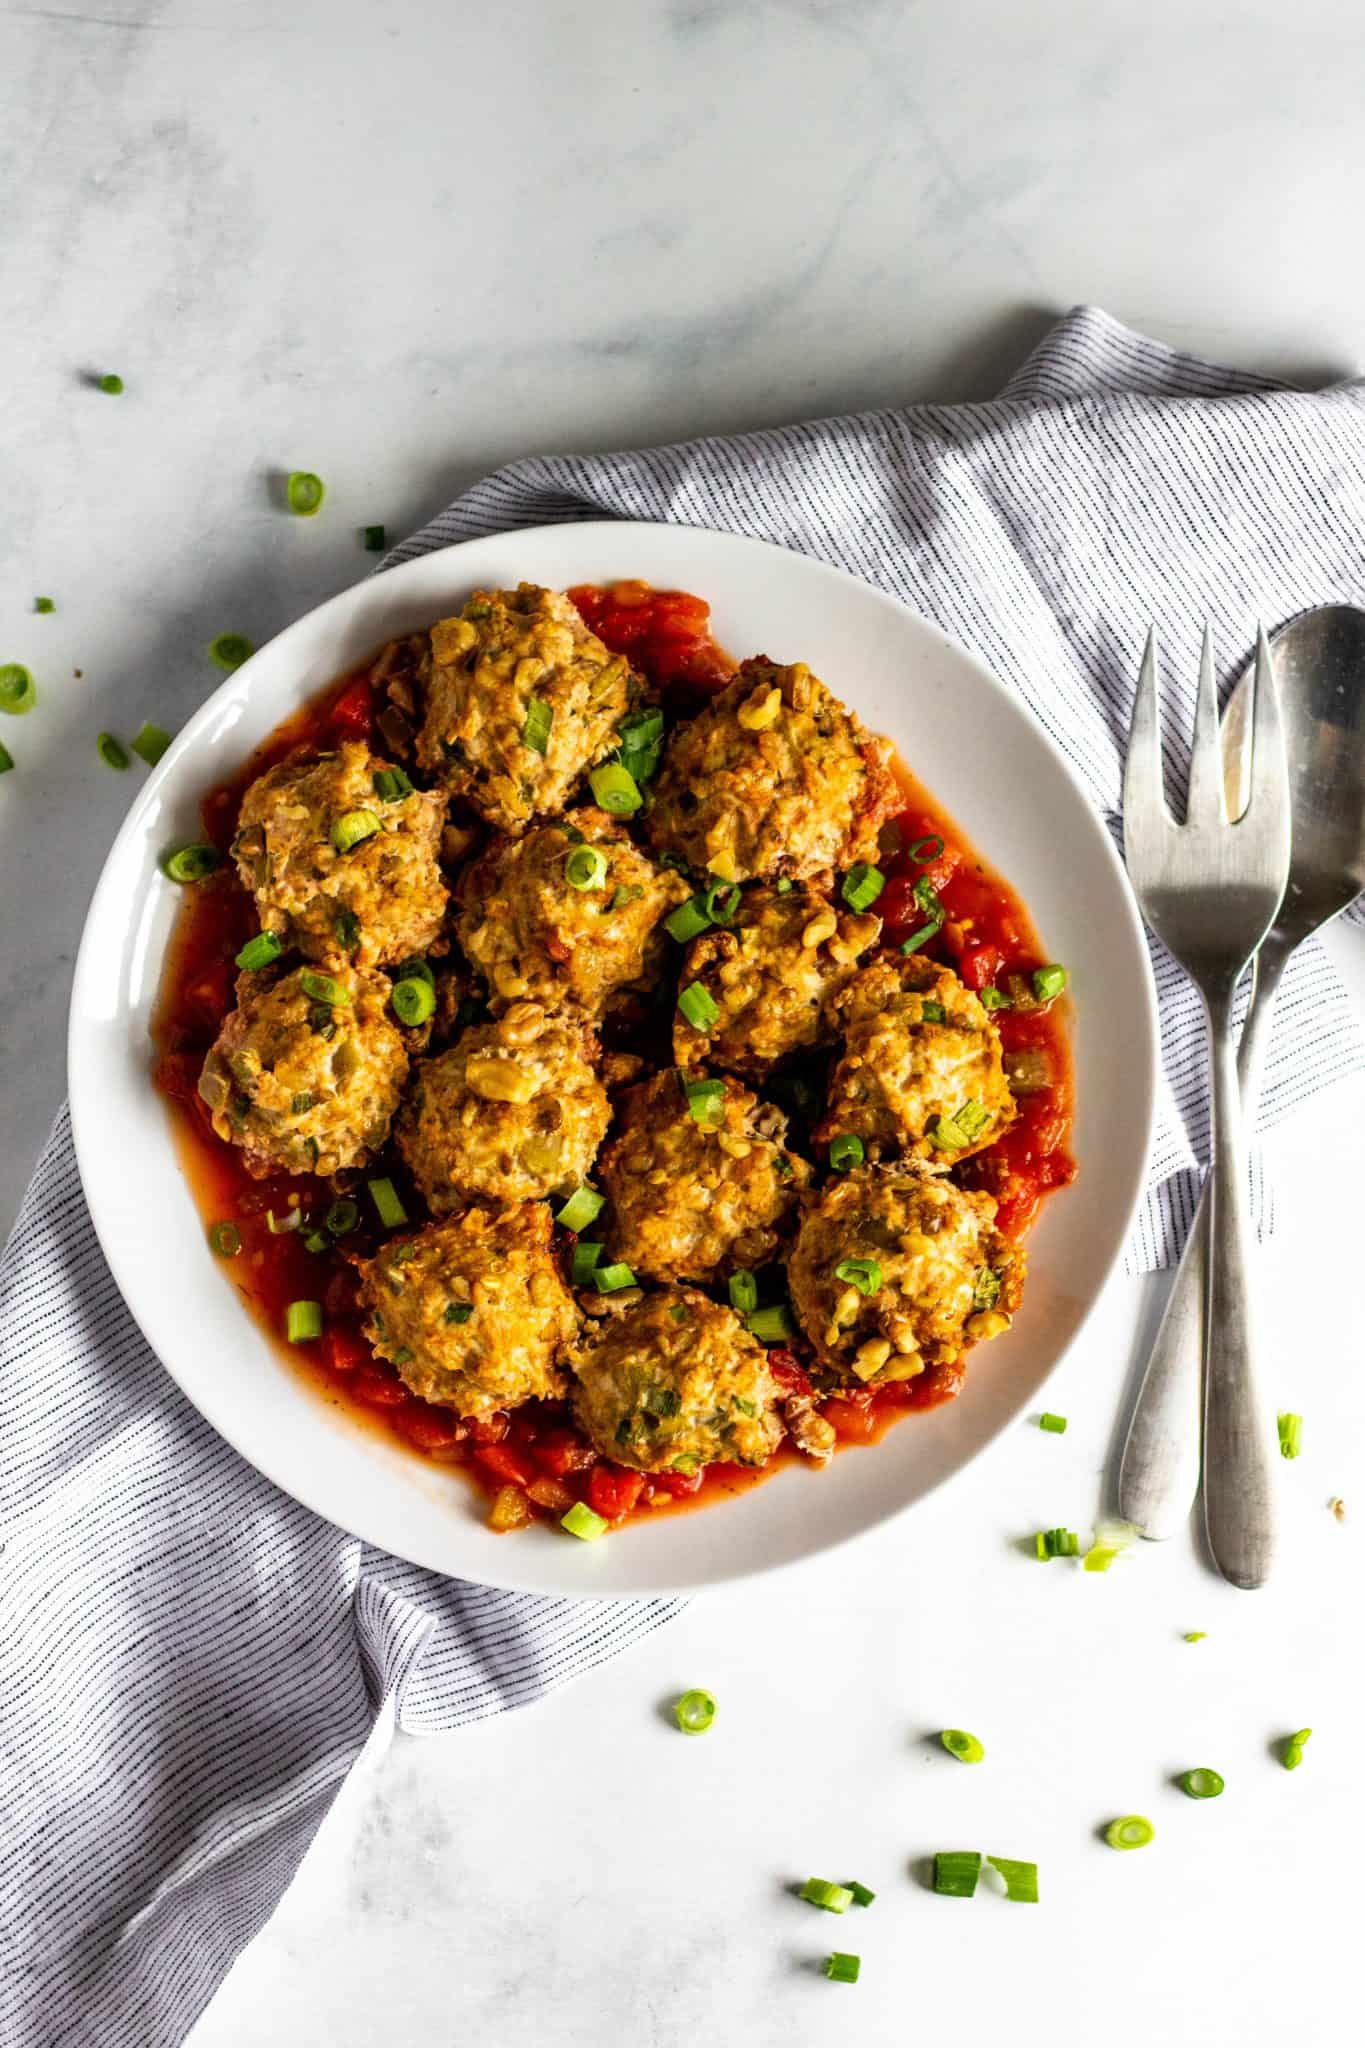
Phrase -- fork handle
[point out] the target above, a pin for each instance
(1238, 1468)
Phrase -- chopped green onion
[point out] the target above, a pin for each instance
(288, 1220)
(583, 1523)
(1021, 1879)
(321, 988)
(995, 999)
(190, 863)
(1049, 1543)
(1130, 1831)
(743, 1290)
(945, 1133)
(1048, 982)
(151, 743)
(1200, 1783)
(1293, 1749)
(861, 1895)
(1111, 1540)
(540, 718)
(956, 1872)
(695, 1711)
(966, 1748)
(722, 901)
(830, 1898)
(1291, 1435)
(111, 383)
(112, 752)
(6, 759)
(342, 1218)
(927, 849)
(391, 785)
(864, 1274)
(698, 1007)
(862, 885)
(458, 1311)
(225, 1240)
(841, 1968)
(986, 1291)
(414, 968)
(1196, 1635)
(705, 1102)
(927, 898)
(1055, 1425)
(230, 650)
(586, 868)
(641, 739)
(785, 885)
(932, 1013)
(259, 952)
(583, 1206)
(301, 1104)
(845, 1151)
(611, 1279)
(586, 1254)
(770, 1325)
(352, 827)
(44, 604)
(304, 492)
(346, 926)
(303, 1321)
(615, 789)
(374, 540)
(972, 1119)
(388, 1207)
(688, 921)
(317, 1241)
(413, 1001)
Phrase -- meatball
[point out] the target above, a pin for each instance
(521, 700)
(773, 778)
(512, 1112)
(920, 1070)
(569, 913)
(675, 1383)
(771, 975)
(894, 1269)
(698, 1178)
(473, 1311)
(372, 897)
(306, 1073)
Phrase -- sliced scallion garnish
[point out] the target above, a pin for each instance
(1293, 1748)
(1200, 1783)
(584, 1205)
(580, 1521)
(743, 1291)
(587, 1254)
(342, 1218)
(698, 1007)
(387, 1204)
(705, 1102)
(615, 789)
(845, 1151)
(695, 1711)
(540, 718)
(1021, 1879)
(225, 1240)
(1130, 1831)
(112, 752)
(1048, 982)
(1055, 1425)
(191, 863)
(968, 1749)
(303, 1321)
(586, 868)
(391, 785)
(230, 650)
(829, 1897)
(611, 1279)
(111, 383)
(304, 492)
(864, 1274)
(260, 952)
(862, 885)
(956, 1872)
(843, 1969)
(688, 921)
(1290, 1429)
(770, 1325)
(414, 1001)
(151, 743)
(374, 540)
(352, 827)
(323, 988)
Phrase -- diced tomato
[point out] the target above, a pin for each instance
(559, 1451)
(506, 1462)
(352, 715)
(622, 629)
(677, 612)
(613, 1492)
(430, 1429)
(552, 1494)
(852, 1420)
(345, 1350)
(785, 1370)
(378, 1386)
(980, 965)
(679, 1484)
(489, 1429)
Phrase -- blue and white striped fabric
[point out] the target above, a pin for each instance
(190, 1663)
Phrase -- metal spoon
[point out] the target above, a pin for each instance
(1320, 666)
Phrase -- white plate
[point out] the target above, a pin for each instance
(969, 741)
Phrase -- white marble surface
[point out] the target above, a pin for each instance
(399, 244)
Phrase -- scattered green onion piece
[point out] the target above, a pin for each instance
(540, 718)
(926, 849)
(111, 383)
(586, 1255)
(932, 1013)
(301, 1104)
(862, 885)
(845, 1151)
(413, 1001)
(861, 1895)
(112, 752)
(342, 1218)
(458, 1311)
(698, 1007)
(230, 650)
(841, 1968)
(864, 1274)
(1196, 1635)
(353, 827)
(151, 743)
(1111, 1540)
(6, 759)
(1130, 1831)
(1293, 1748)
(1200, 1783)
(695, 1711)
(972, 1119)
(288, 1220)
(641, 739)
(986, 1291)
(374, 540)
(615, 789)
(388, 1207)
(259, 952)
(1050, 1543)
(304, 492)
(346, 927)
(586, 868)
(1291, 1435)
(583, 1523)
(688, 921)
(1055, 1425)
(391, 785)
(414, 968)
(44, 604)
(321, 988)
(946, 1133)
(191, 863)
(611, 1279)
(785, 885)
(722, 901)
(317, 1241)
(830, 1898)
(584, 1205)
(1021, 1879)
(968, 1749)
(225, 1240)
(743, 1289)
(1048, 982)
(303, 1321)
(705, 1102)
(770, 1325)
(922, 937)
(995, 999)
(956, 1872)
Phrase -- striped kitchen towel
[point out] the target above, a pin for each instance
(190, 1663)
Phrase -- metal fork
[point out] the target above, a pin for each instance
(1210, 890)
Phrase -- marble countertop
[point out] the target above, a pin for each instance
(399, 245)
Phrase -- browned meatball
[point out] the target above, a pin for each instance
(774, 777)
(698, 1183)
(894, 1269)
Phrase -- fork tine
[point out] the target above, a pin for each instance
(1144, 793)
(1269, 767)
(1205, 802)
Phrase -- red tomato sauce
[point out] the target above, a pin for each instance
(986, 936)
